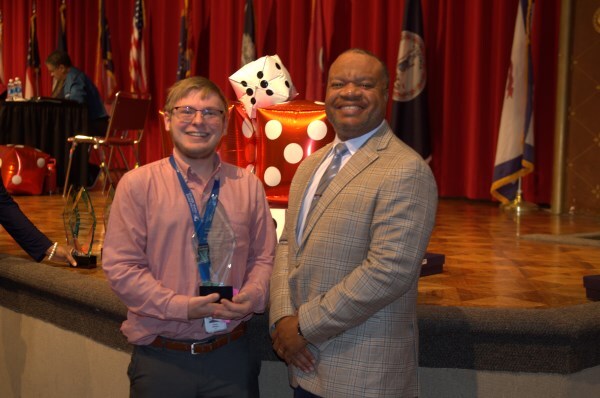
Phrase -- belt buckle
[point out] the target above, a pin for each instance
(193, 345)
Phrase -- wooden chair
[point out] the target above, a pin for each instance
(125, 129)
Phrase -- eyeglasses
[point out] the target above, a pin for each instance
(187, 114)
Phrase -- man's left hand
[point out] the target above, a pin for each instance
(290, 346)
(239, 307)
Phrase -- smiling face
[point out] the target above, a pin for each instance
(199, 138)
(357, 94)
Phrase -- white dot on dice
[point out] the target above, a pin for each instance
(273, 129)
(293, 153)
(317, 130)
(272, 176)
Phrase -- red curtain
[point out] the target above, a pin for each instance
(468, 53)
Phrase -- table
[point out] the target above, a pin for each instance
(45, 124)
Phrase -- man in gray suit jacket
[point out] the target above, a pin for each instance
(344, 286)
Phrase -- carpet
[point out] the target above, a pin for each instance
(584, 239)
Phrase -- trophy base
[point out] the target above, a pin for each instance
(225, 292)
(86, 262)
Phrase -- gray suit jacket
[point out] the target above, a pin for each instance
(353, 277)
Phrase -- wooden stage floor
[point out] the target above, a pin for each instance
(488, 263)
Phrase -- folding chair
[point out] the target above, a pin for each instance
(125, 129)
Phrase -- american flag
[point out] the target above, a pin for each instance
(104, 78)
(137, 57)
(32, 74)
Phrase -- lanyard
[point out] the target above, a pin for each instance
(201, 225)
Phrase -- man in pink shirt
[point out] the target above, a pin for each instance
(183, 222)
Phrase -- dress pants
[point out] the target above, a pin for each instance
(300, 392)
(229, 371)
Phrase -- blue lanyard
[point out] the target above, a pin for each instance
(201, 225)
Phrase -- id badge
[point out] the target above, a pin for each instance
(214, 325)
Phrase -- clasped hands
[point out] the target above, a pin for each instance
(291, 346)
(208, 306)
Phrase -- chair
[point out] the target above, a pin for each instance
(125, 129)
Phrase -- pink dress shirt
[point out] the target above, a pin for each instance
(148, 255)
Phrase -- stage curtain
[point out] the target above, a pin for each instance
(468, 54)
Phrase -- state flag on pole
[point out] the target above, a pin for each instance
(514, 150)
(315, 71)
(248, 47)
(2, 80)
(185, 56)
(61, 41)
(104, 78)
(410, 110)
(137, 57)
(32, 73)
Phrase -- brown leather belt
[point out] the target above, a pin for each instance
(201, 347)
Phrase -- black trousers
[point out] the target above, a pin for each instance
(229, 371)
(300, 392)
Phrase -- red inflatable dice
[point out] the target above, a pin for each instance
(288, 133)
(23, 169)
(238, 146)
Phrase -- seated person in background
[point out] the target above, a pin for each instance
(34, 242)
(74, 85)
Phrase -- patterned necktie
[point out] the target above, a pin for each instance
(338, 153)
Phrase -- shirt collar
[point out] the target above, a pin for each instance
(354, 144)
(187, 170)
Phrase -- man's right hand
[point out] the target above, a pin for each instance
(203, 306)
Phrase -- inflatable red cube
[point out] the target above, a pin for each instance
(238, 146)
(288, 133)
(23, 169)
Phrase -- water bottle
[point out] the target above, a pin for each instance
(18, 89)
(10, 90)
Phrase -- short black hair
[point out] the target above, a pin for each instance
(386, 74)
(58, 58)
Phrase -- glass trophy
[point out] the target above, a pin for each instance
(221, 243)
(80, 226)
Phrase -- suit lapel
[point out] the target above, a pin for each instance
(298, 189)
(366, 155)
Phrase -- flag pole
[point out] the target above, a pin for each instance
(518, 205)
